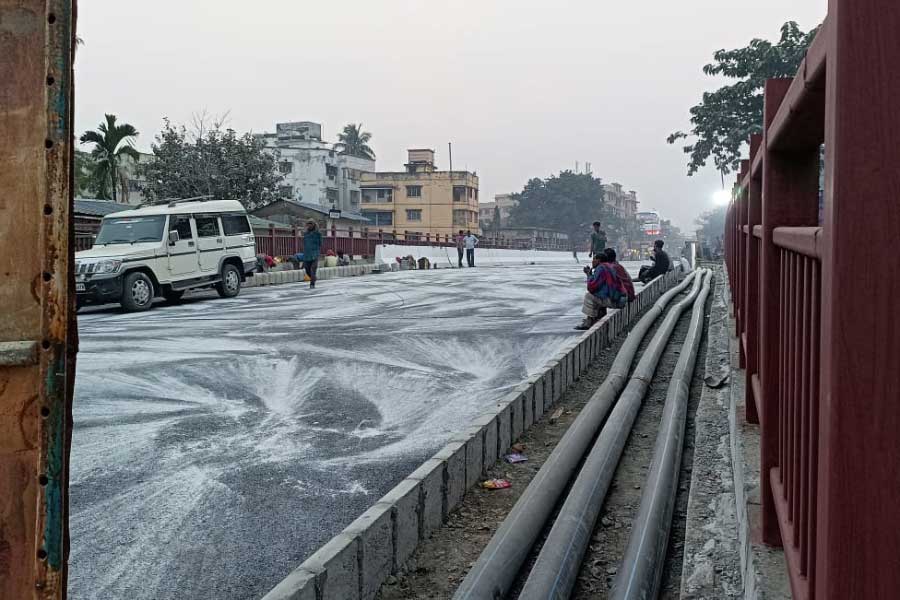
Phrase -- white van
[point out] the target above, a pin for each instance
(164, 250)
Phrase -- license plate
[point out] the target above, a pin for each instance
(79, 287)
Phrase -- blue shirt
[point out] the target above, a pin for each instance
(312, 245)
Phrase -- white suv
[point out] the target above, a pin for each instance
(164, 250)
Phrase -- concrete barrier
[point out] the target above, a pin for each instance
(357, 561)
(297, 275)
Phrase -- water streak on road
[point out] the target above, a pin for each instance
(219, 442)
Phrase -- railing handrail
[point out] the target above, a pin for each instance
(803, 240)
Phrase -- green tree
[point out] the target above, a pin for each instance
(111, 142)
(496, 224)
(568, 202)
(725, 118)
(211, 161)
(84, 167)
(355, 142)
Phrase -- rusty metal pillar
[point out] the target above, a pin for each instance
(858, 532)
(37, 327)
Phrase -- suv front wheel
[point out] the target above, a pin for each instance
(137, 292)
(230, 286)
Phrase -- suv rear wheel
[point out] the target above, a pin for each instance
(137, 292)
(230, 286)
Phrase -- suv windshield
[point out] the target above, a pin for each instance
(125, 230)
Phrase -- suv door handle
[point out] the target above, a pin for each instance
(191, 244)
(219, 240)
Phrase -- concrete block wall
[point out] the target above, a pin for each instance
(355, 563)
(296, 275)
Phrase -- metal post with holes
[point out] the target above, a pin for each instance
(37, 319)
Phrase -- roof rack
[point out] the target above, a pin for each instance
(174, 201)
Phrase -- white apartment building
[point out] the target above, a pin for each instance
(314, 173)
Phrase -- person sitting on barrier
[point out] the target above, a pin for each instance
(342, 259)
(661, 264)
(621, 273)
(604, 291)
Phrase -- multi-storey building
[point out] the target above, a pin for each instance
(421, 200)
(623, 203)
(487, 211)
(314, 172)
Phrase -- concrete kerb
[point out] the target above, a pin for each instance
(355, 563)
(297, 275)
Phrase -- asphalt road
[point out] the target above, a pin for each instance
(217, 443)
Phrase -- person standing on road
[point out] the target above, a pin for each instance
(598, 240)
(312, 247)
(460, 246)
(470, 241)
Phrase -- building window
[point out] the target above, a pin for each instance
(475, 217)
(286, 191)
(414, 191)
(413, 214)
(285, 167)
(331, 171)
(471, 193)
(459, 217)
(386, 195)
(459, 193)
(331, 194)
(379, 218)
(354, 198)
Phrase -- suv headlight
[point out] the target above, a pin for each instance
(107, 266)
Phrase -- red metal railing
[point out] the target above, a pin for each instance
(822, 374)
(288, 241)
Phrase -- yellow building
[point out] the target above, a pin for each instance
(421, 200)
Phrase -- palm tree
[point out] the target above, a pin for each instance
(355, 142)
(111, 142)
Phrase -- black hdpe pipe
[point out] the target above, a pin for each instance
(495, 570)
(642, 566)
(553, 575)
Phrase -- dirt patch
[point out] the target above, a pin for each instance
(441, 562)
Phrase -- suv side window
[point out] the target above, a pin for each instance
(207, 225)
(182, 224)
(235, 224)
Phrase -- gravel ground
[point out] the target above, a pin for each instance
(441, 562)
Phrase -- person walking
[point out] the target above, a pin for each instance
(598, 240)
(470, 242)
(460, 246)
(312, 247)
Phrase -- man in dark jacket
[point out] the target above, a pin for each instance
(312, 247)
(661, 263)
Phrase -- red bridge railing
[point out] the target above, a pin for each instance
(815, 288)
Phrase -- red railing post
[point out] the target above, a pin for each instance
(858, 518)
(753, 190)
(789, 197)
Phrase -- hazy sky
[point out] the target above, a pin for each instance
(522, 88)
